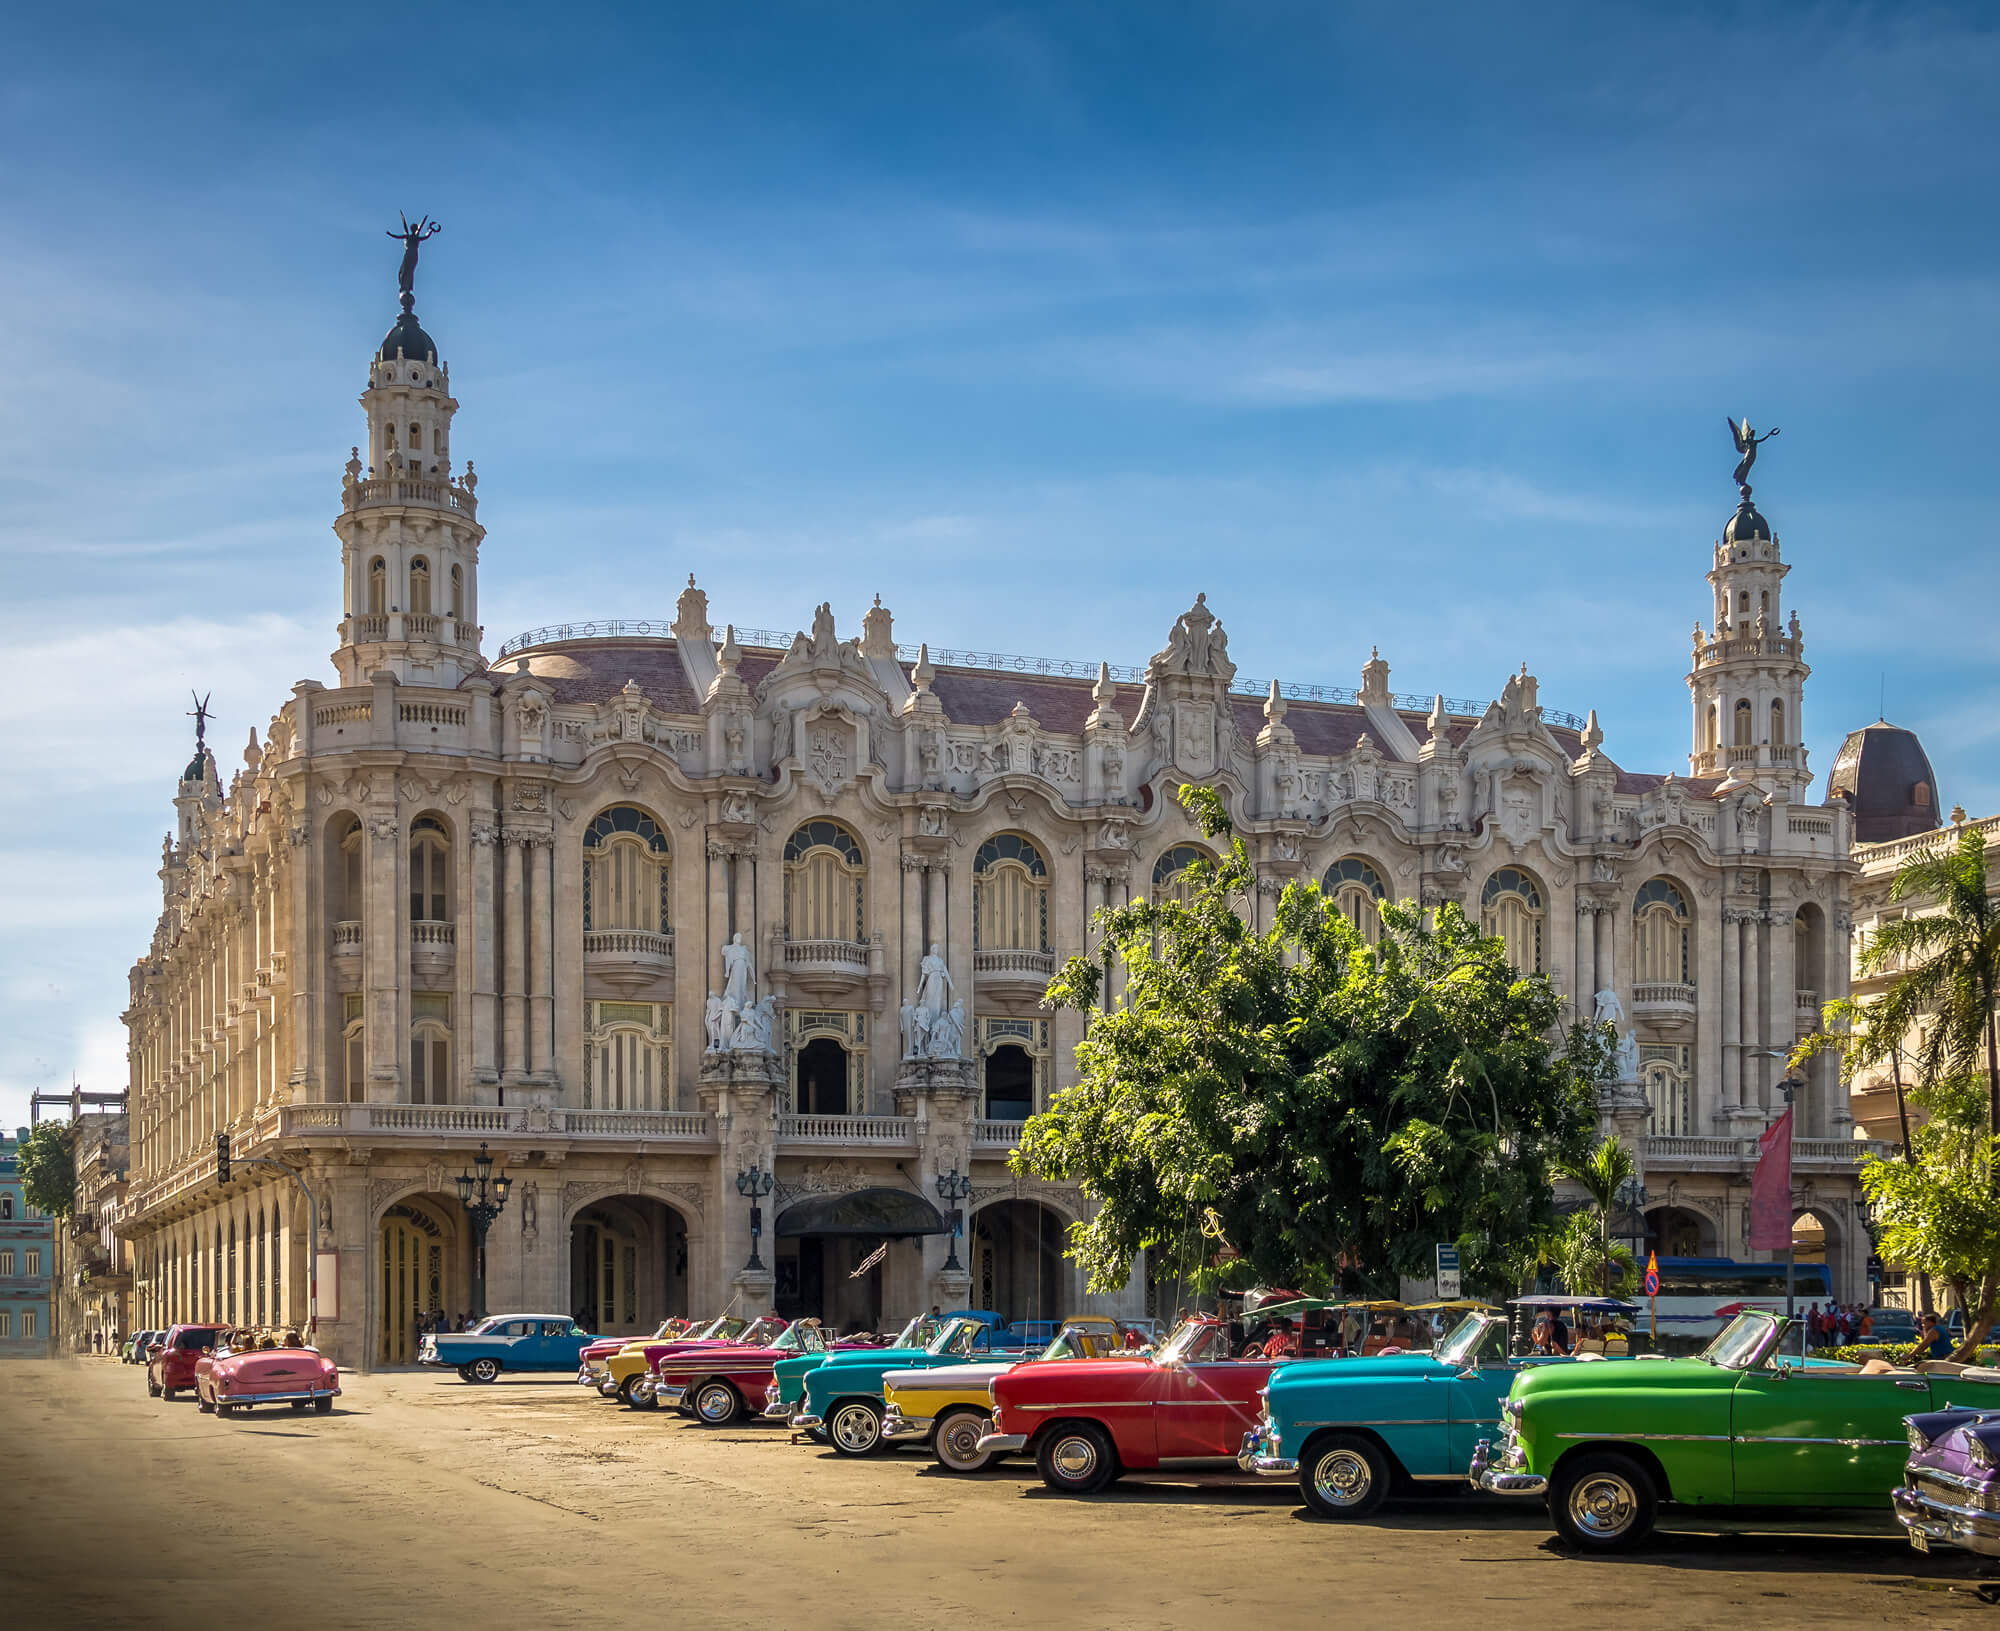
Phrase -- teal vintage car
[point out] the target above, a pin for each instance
(844, 1395)
(508, 1342)
(1349, 1429)
(785, 1398)
(1736, 1426)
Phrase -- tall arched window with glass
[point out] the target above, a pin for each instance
(625, 874)
(1010, 895)
(430, 1047)
(1510, 906)
(378, 587)
(1662, 934)
(1669, 1082)
(420, 587)
(625, 1063)
(430, 871)
(1170, 872)
(1357, 893)
(825, 884)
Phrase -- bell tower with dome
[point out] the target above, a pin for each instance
(1748, 674)
(408, 527)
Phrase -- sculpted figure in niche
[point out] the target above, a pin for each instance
(1609, 1009)
(732, 745)
(1628, 1057)
(715, 1020)
(916, 1031)
(934, 986)
(739, 978)
(754, 1027)
(736, 808)
(947, 1037)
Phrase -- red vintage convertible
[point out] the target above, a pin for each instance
(230, 1379)
(1089, 1420)
(171, 1361)
(716, 1383)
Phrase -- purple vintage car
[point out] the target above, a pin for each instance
(1950, 1494)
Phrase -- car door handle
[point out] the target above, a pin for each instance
(1914, 1386)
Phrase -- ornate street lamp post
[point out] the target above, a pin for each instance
(753, 1186)
(484, 1198)
(952, 1188)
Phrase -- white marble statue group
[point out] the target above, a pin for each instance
(1609, 1011)
(734, 1021)
(931, 1030)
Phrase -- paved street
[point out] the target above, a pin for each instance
(426, 1501)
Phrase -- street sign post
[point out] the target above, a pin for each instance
(1653, 1291)
(1448, 1284)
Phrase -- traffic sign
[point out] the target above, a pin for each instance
(1448, 1284)
(1652, 1274)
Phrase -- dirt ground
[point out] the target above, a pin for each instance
(533, 1503)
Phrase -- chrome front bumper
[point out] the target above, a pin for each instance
(805, 1421)
(775, 1408)
(898, 1428)
(1967, 1527)
(1496, 1477)
(1001, 1443)
(668, 1393)
(242, 1400)
(1259, 1454)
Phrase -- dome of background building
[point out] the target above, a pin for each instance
(1886, 776)
(1746, 524)
(408, 337)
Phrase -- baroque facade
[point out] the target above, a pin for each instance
(658, 911)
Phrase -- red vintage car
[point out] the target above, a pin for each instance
(170, 1362)
(1089, 1420)
(231, 1379)
(630, 1369)
(717, 1383)
(593, 1365)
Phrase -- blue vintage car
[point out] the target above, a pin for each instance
(844, 1395)
(508, 1342)
(1348, 1429)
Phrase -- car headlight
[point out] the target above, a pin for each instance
(1977, 1453)
(1514, 1408)
(1915, 1434)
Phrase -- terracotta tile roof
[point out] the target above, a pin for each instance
(594, 670)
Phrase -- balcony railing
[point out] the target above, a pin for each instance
(846, 1130)
(1004, 963)
(445, 494)
(433, 936)
(834, 956)
(997, 1134)
(346, 938)
(628, 943)
(1741, 1153)
(674, 1124)
(1808, 1004)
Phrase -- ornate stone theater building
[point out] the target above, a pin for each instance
(660, 912)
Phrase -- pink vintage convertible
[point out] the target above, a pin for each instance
(232, 1379)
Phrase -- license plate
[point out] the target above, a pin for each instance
(1919, 1541)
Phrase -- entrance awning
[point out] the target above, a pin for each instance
(875, 1212)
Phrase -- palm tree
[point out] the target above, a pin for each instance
(1950, 984)
(1606, 1170)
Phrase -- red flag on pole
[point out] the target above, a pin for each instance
(1771, 1188)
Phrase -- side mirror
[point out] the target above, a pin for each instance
(1469, 1374)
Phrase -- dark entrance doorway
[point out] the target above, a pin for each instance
(822, 1242)
(823, 1078)
(1017, 1261)
(1010, 1084)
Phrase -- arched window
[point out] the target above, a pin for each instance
(458, 591)
(1170, 879)
(351, 889)
(416, 438)
(1661, 929)
(1510, 906)
(389, 437)
(353, 1048)
(420, 587)
(625, 872)
(1670, 1097)
(1355, 889)
(378, 587)
(1920, 795)
(626, 1059)
(430, 1047)
(1010, 895)
(1777, 724)
(1711, 729)
(1744, 725)
(437, 439)
(1743, 602)
(825, 883)
(430, 886)
(1764, 603)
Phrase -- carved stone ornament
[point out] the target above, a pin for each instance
(483, 834)
(531, 796)
(384, 828)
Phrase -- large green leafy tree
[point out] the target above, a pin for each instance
(1322, 1110)
(48, 1170)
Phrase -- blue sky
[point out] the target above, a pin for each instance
(1404, 326)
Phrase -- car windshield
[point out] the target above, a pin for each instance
(1072, 1342)
(764, 1332)
(918, 1333)
(1192, 1341)
(803, 1337)
(1471, 1342)
(1738, 1345)
(491, 1323)
(959, 1337)
(722, 1328)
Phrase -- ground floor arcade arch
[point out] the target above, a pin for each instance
(423, 1273)
(628, 1264)
(1017, 1262)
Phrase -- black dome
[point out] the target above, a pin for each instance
(408, 337)
(197, 767)
(1887, 777)
(1744, 526)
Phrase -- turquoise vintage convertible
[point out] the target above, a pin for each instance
(1348, 1429)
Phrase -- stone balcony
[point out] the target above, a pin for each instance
(1664, 1005)
(1004, 971)
(627, 958)
(1700, 1153)
(997, 1135)
(883, 1132)
(347, 938)
(433, 945)
(831, 969)
(1806, 1004)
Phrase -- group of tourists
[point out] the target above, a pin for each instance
(432, 1323)
(1837, 1324)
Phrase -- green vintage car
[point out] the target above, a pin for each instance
(1608, 1445)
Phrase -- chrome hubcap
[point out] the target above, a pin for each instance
(1074, 1459)
(716, 1404)
(958, 1444)
(854, 1428)
(1342, 1478)
(1603, 1505)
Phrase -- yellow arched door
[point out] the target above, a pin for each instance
(413, 1281)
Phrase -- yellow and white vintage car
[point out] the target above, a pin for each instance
(950, 1410)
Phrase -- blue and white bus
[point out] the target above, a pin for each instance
(1700, 1295)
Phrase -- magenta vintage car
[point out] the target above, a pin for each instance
(717, 1383)
(231, 1379)
(1950, 1494)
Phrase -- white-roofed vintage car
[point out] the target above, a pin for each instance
(231, 1379)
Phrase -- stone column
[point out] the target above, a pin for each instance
(1782, 955)
(740, 1089)
(1756, 971)
(514, 960)
(538, 860)
(1604, 964)
(1731, 1005)
(942, 1097)
(479, 956)
(384, 951)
